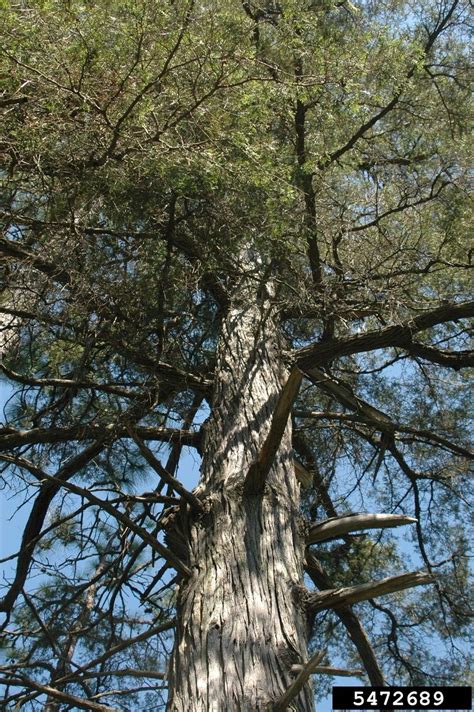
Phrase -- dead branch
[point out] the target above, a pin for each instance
(337, 526)
(350, 621)
(295, 688)
(258, 472)
(354, 594)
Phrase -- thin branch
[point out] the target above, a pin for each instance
(370, 123)
(339, 672)
(143, 533)
(47, 492)
(73, 700)
(369, 415)
(9, 248)
(403, 205)
(344, 394)
(182, 243)
(361, 131)
(328, 670)
(127, 672)
(122, 645)
(67, 383)
(167, 477)
(295, 688)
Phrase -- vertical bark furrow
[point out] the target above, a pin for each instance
(240, 627)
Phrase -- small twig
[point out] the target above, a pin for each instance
(328, 670)
(296, 686)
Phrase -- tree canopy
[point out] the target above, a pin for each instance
(164, 165)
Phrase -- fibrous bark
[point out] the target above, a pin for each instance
(241, 626)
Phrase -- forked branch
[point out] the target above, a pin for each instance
(166, 476)
(400, 335)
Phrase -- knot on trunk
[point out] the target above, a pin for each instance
(301, 596)
(289, 656)
(255, 482)
(176, 522)
(302, 599)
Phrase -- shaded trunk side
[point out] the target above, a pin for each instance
(241, 624)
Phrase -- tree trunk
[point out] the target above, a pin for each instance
(241, 624)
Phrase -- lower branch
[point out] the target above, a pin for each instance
(338, 526)
(400, 335)
(350, 621)
(354, 594)
(450, 359)
(73, 700)
(166, 476)
(295, 688)
(11, 437)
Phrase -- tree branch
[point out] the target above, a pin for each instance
(258, 472)
(107, 506)
(344, 394)
(367, 414)
(9, 248)
(361, 131)
(67, 383)
(38, 513)
(396, 335)
(363, 592)
(328, 670)
(295, 688)
(336, 527)
(449, 359)
(10, 438)
(350, 621)
(168, 478)
(122, 645)
(370, 123)
(73, 700)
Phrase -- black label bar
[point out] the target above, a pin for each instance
(402, 698)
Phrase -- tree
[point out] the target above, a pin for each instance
(238, 228)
